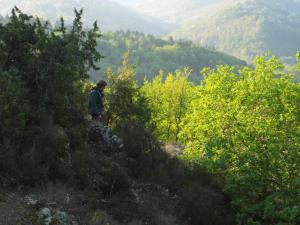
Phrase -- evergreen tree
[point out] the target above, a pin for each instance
(128, 110)
(43, 75)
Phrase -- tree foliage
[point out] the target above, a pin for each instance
(47, 61)
(243, 126)
(43, 76)
(169, 99)
(298, 58)
(15, 109)
(125, 101)
(246, 127)
(128, 111)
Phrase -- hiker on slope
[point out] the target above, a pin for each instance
(96, 109)
(96, 101)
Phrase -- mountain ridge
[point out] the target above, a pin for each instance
(247, 28)
(109, 14)
(176, 11)
(242, 28)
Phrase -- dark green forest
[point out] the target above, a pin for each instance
(153, 54)
(175, 149)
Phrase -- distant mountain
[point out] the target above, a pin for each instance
(246, 28)
(151, 54)
(242, 28)
(176, 11)
(111, 15)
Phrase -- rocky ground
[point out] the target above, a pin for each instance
(110, 196)
(109, 184)
(60, 205)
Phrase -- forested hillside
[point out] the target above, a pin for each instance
(248, 28)
(59, 167)
(153, 54)
(110, 15)
(242, 126)
(171, 150)
(241, 28)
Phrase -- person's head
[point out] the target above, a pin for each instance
(101, 84)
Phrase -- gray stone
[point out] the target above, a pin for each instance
(45, 216)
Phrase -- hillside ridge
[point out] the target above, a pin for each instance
(109, 14)
(248, 28)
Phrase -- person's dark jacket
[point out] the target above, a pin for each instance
(96, 106)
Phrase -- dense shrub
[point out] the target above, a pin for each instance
(169, 99)
(246, 127)
(128, 111)
(43, 74)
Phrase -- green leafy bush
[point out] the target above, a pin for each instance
(169, 99)
(15, 110)
(14, 113)
(43, 76)
(128, 111)
(246, 128)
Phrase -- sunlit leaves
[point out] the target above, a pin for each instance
(169, 98)
(246, 127)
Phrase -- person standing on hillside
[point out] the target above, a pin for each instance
(98, 128)
(96, 101)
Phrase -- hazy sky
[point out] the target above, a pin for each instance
(128, 2)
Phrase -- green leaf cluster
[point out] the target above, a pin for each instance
(245, 127)
(125, 102)
(298, 58)
(43, 87)
(46, 62)
(242, 126)
(128, 111)
(15, 110)
(169, 99)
